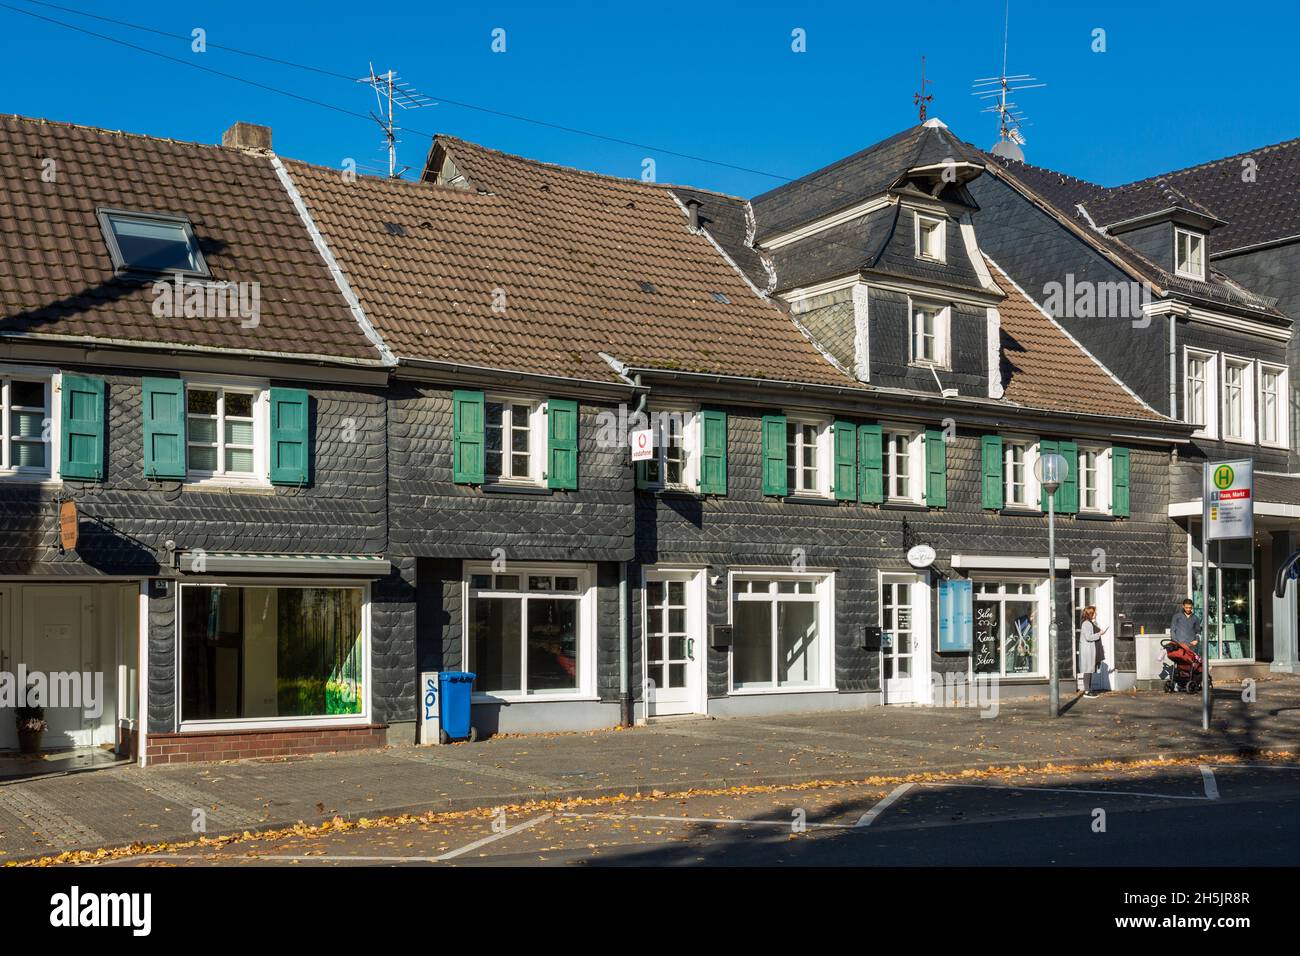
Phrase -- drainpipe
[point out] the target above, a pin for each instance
(627, 710)
(1173, 368)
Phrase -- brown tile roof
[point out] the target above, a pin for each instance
(56, 276)
(1043, 368)
(570, 250)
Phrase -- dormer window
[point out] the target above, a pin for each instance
(1189, 254)
(929, 238)
(151, 243)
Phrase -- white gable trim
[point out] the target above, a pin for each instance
(829, 222)
(861, 332)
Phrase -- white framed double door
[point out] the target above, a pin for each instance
(905, 638)
(1098, 593)
(673, 642)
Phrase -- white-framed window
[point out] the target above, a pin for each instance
(807, 457)
(1238, 400)
(782, 631)
(28, 426)
(1201, 391)
(929, 333)
(1094, 479)
(1020, 487)
(1006, 638)
(226, 431)
(254, 654)
(930, 242)
(675, 464)
(530, 630)
(1272, 405)
(903, 462)
(1189, 254)
(514, 440)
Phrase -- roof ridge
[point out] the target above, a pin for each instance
(888, 140)
(1294, 141)
(544, 164)
(65, 124)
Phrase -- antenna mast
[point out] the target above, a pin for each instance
(997, 88)
(391, 90)
(921, 99)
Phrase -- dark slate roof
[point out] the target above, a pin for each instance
(57, 278)
(841, 250)
(1259, 210)
(1064, 194)
(1124, 203)
(571, 250)
(857, 178)
(727, 220)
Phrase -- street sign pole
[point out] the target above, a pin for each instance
(1205, 599)
(1227, 511)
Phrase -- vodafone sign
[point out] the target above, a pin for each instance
(643, 446)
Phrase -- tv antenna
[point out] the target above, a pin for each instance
(391, 90)
(998, 89)
(921, 99)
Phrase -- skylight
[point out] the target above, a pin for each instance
(147, 242)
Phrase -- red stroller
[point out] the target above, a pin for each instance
(1183, 670)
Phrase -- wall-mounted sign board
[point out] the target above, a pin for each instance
(955, 621)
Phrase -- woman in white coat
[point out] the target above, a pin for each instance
(1092, 654)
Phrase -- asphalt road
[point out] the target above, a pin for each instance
(1176, 816)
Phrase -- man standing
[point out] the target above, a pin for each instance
(1186, 628)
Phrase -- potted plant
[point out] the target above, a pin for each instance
(31, 724)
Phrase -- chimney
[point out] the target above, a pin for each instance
(693, 211)
(247, 136)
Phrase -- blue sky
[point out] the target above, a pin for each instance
(1179, 82)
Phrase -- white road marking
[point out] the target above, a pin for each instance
(869, 817)
(1211, 785)
(787, 824)
(1104, 793)
(492, 838)
(279, 858)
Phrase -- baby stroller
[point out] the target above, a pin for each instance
(1183, 670)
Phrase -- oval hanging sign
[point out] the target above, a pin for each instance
(921, 556)
(68, 524)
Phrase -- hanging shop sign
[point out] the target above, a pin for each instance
(921, 556)
(643, 445)
(69, 525)
(956, 624)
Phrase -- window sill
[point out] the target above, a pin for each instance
(42, 481)
(903, 504)
(1022, 512)
(533, 698)
(757, 691)
(1238, 441)
(217, 484)
(239, 724)
(1095, 516)
(509, 488)
(808, 499)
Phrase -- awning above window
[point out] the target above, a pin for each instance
(1002, 562)
(197, 561)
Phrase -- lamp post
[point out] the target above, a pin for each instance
(1051, 470)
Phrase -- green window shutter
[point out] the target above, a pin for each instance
(1119, 496)
(871, 465)
(290, 436)
(467, 437)
(774, 477)
(81, 428)
(993, 490)
(713, 452)
(164, 427)
(1067, 499)
(1048, 448)
(846, 461)
(936, 469)
(562, 444)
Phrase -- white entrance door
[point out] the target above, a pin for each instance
(57, 638)
(673, 644)
(905, 638)
(1097, 592)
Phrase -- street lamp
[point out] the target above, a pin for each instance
(1051, 470)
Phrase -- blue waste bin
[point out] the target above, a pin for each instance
(457, 689)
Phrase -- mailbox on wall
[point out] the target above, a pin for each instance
(870, 640)
(720, 636)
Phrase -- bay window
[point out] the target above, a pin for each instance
(529, 630)
(271, 652)
(781, 631)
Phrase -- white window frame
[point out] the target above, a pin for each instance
(260, 723)
(537, 440)
(586, 669)
(891, 438)
(824, 462)
(941, 334)
(1247, 436)
(823, 596)
(1039, 594)
(53, 383)
(261, 392)
(1193, 239)
(1283, 391)
(1033, 490)
(1102, 477)
(660, 427)
(1211, 385)
(921, 224)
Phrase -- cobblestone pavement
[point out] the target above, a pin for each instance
(122, 804)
